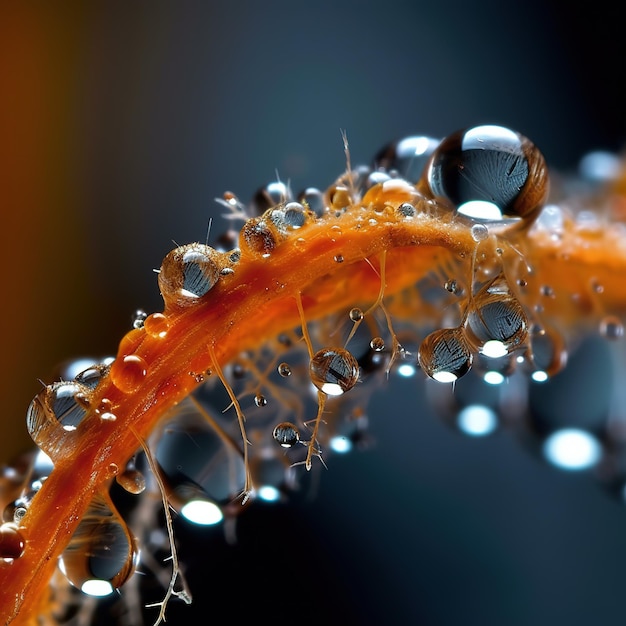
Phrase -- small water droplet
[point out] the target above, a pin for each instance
(445, 355)
(12, 542)
(286, 434)
(377, 344)
(284, 370)
(129, 372)
(479, 232)
(452, 286)
(334, 371)
(138, 318)
(259, 237)
(338, 258)
(132, 480)
(260, 400)
(113, 469)
(611, 327)
(407, 157)
(269, 196)
(356, 315)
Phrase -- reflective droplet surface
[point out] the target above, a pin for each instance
(284, 370)
(611, 327)
(445, 355)
(12, 542)
(377, 344)
(356, 315)
(271, 195)
(497, 315)
(260, 400)
(259, 237)
(129, 372)
(131, 479)
(156, 325)
(102, 553)
(291, 216)
(188, 273)
(489, 173)
(286, 434)
(138, 318)
(334, 371)
(407, 157)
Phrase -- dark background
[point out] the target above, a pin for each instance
(121, 122)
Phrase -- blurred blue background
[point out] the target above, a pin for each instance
(121, 123)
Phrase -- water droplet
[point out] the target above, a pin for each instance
(156, 325)
(286, 434)
(105, 410)
(377, 344)
(102, 553)
(334, 371)
(407, 157)
(138, 318)
(113, 469)
(291, 216)
(284, 370)
(489, 173)
(188, 273)
(314, 199)
(92, 376)
(479, 232)
(338, 197)
(496, 315)
(12, 542)
(611, 327)
(356, 315)
(259, 237)
(129, 372)
(445, 355)
(452, 286)
(260, 400)
(131, 479)
(406, 210)
(271, 195)
(338, 258)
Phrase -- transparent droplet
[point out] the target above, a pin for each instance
(259, 237)
(489, 173)
(406, 210)
(314, 199)
(291, 216)
(188, 273)
(497, 315)
(129, 372)
(479, 232)
(445, 355)
(12, 542)
(102, 553)
(338, 258)
(269, 196)
(284, 370)
(356, 315)
(334, 371)
(92, 376)
(338, 197)
(286, 434)
(156, 325)
(377, 344)
(611, 327)
(260, 400)
(138, 318)
(407, 157)
(131, 479)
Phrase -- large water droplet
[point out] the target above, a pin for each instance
(407, 157)
(496, 315)
(286, 434)
(445, 355)
(188, 273)
(334, 371)
(489, 173)
(102, 553)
